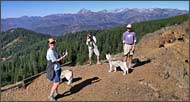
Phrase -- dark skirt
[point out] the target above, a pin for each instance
(57, 75)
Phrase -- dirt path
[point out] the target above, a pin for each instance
(96, 83)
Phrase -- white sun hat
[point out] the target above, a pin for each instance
(129, 26)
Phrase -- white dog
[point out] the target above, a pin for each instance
(117, 63)
(68, 74)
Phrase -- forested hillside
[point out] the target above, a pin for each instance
(23, 52)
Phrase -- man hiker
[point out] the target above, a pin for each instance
(129, 40)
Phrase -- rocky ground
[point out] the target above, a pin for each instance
(161, 72)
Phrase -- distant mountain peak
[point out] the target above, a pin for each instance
(119, 10)
(103, 11)
(24, 17)
(84, 11)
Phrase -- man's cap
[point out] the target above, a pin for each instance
(129, 26)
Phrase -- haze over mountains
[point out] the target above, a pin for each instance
(59, 24)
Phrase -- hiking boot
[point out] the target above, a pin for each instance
(56, 94)
(51, 98)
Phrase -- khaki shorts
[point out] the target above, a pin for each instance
(95, 50)
(128, 49)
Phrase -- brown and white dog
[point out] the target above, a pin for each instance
(68, 74)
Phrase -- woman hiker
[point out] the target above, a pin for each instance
(53, 57)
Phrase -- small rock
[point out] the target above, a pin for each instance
(166, 75)
(145, 83)
(180, 39)
(141, 79)
(116, 93)
(175, 98)
(180, 86)
(157, 95)
(186, 61)
(161, 46)
(141, 82)
(152, 87)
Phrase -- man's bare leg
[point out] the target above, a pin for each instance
(130, 61)
(125, 59)
(90, 61)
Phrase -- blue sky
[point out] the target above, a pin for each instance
(12, 9)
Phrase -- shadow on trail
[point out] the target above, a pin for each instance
(64, 80)
(137, 62)
(76, 88)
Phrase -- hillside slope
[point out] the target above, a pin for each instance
(160, 73)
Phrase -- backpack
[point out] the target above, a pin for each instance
(50, 71)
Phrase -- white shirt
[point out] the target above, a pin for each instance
(53, 56)
(94, 43)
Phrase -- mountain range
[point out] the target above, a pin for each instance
(60, 24)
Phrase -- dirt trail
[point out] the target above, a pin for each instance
(158, 74)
